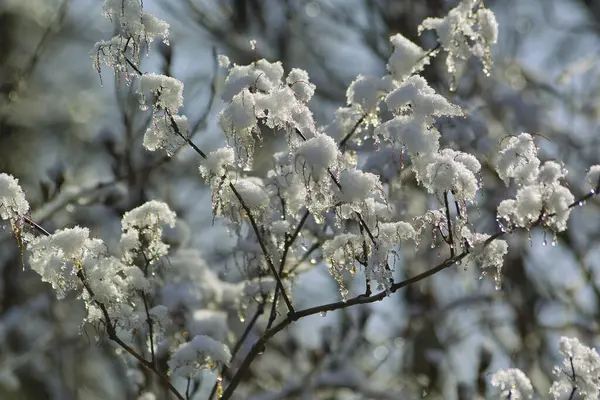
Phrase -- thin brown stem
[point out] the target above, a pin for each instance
(264, 249)
(187, 140)
(342, 144)
(289, 241)
(259, 311)
(150, 328)
(449, 224)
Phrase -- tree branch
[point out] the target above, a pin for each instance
(361, 299)
(110, 327)
(449, 224)
(342, 144)
(259, 311)
(264, 249)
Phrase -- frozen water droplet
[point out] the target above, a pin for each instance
(313, 261)
(545, 243)
(323, 313)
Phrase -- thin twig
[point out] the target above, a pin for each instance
(288, 243)
(187, 140)
(449, 224)
(573, 378)
(263, 248)
(150, 328)
(342, 144)
(259, 311)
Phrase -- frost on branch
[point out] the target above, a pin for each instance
(488, 256)
(547, 201)
(518, 160)
(468, 29)
(415, 105)
(112, 53)
(580, 369)
(202, 352)
(541, 196)
(391, 236)
(168, 130)
(551, 172)
(450, 171)
(238, 122)
(346, 249)
(345, 120)
(287, 184)
(253, 198)
(358, 185)
(316, 156)
(223, 61)
(513, 383)
(593, 177)
(299, 82)
(257, 96)
(217, 163)
(216, 169)
(168, 91)
(424, 101)
(407, 58)
(313, 159)
(252, 194)
(281, 109)
(341, 252)
(261, 76)
(366, 93)
(13, 204)
(68, 258)
(361, 192)
(164, 133)
(135, 27)
(58, 257)
(142, 231)
(136, 23)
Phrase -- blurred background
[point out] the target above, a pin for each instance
(75, 146)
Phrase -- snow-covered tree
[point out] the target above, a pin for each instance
(324, 267)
